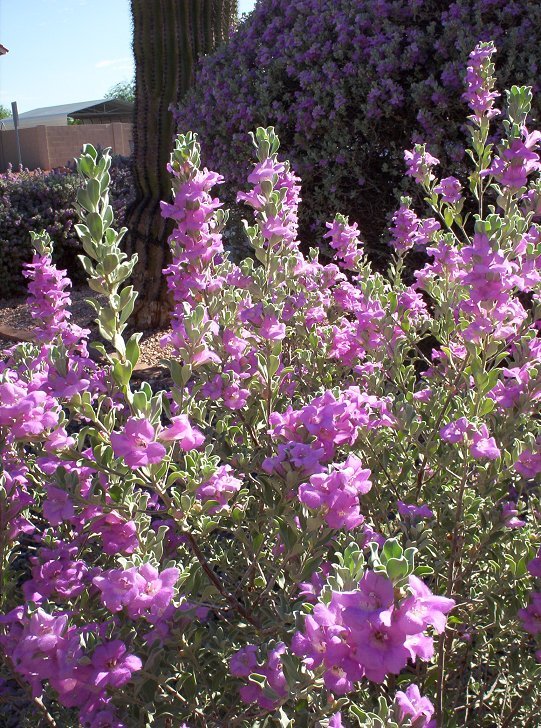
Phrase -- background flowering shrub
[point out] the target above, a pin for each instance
(46, 201)
(332, 516)
(348, 84)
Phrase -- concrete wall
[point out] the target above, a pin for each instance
(48, 147)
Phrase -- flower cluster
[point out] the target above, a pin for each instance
(245, 662)
(339, 458)
(44, 647)
(368, 632)
(337, 493)
(348, 84)
(142, 592)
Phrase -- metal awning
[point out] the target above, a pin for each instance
(100, 111)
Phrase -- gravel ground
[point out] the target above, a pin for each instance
(15, 314)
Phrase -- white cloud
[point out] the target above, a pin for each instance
(117, 64)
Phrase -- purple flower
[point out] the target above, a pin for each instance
(516, 161)
(181, 431)
(534, 566)
(344, 239)
(449, 188)
(380, 649)
(454, 432)
(531, 615)
(113, 666)
(528, 464)
(118, 587)
(483, 445)
(374, 595)
(244, 662)
(341, 678)
(509, 516)
(414, 513)
(408, 230)
(220, 487)
(155, 591)
(422, 609)
(480, 95)
(58, 507)
(45, 630)
(117, 534)
(136, 444)
(419, 163)
(271, 669)
(412, 706)
(337, 493)
(336, 721)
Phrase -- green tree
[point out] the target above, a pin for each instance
(5, 113)
(168, 38)
(124, 90)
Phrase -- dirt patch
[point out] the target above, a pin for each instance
(17, 324)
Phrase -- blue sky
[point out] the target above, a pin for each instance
(61, 51)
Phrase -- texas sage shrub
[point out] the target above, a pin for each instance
(348, 84)
(46, 201)
(332, 516)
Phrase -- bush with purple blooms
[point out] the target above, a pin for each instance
(46, 201)
(348, 85)
(332, 515)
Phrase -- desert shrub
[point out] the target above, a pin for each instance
(348, 85)
(323, 522)
(46, 201)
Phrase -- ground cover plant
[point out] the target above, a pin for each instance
(348, 85)
(332, 517)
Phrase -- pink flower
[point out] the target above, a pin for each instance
(509, 515)
(531, 616)
(181, 431)
(449, 188)
(418, 163)
(155, 591)
(220, 487)
(411, 705)
(136, 444)
(117, 534)
(422, 609)
(454, 432)
(484, 446)
(113, 666)
(118, 587)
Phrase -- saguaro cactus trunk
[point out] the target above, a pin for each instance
(168, 37)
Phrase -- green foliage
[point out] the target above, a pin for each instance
(123, 90)
(47, 201)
